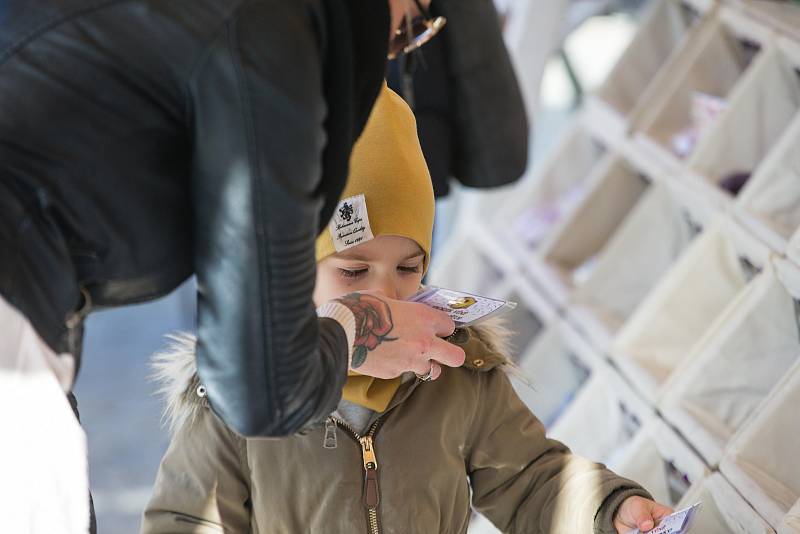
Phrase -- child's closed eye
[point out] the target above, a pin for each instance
(410, 269)
(351, 273)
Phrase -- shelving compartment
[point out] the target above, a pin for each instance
(758, 113)
(761, 460)
(723, 510)
(556, 367)
(650, 239)
(741, 359)
(694, 89)
(662, 463)
(661, 334)
(550, 194)
(569, 254)
(664, 26)
(603, 419)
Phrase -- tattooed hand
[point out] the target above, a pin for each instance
(394, 336)
(373, 323)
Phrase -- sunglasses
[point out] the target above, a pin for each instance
(415, 32)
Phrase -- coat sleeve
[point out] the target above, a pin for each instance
(202, 486)
(527, 483)
(270, 365)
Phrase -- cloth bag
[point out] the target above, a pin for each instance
(617, 189)
(555, 368)
(537, 204)
(749, 348)
(761, 460)
(773, 193)
(664, 26)
(603, 419)
(759, 110)
(710, 61)
(723, 510)
(661, 462)
(646, 244)
(672, 319)
(791, 522)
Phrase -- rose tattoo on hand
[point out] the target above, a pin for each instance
(373, 324)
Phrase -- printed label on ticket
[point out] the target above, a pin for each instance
(466, 309)
(678, 523)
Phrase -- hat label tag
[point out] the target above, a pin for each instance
(349, 225)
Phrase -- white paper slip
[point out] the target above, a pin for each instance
(466, 309)
(677, 523)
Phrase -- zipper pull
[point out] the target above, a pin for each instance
(329, 441)
(371, 491)
(368, 452)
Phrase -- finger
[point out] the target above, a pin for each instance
(643, 516)
(421, 365)
(436, 370)
(646, 525)
(660, 511)
(446, 353)
(443, 325)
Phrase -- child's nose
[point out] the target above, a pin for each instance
(388, 289)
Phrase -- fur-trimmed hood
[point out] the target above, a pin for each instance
(487, 346)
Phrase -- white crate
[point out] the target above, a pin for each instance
(770, 202)
(464, 264)
(791, 521)
(531, 316)
(650, 239)
(793, 248)
(603, 419)
(732, 370)
(557, 366)
(664, 25)
(615, 189)
(662, 332)
(711, 60)
(723, 510)
(761, 460)
(759, 110)
(474, 264)
(784, 17)
(548, 195)
(658, 459)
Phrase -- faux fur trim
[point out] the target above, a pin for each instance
(175, 373)
(175, 370)
(497, 338)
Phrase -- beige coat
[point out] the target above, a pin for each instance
(440, 446)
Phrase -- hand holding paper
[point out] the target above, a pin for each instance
(677, 523)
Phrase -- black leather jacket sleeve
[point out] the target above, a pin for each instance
(256, 97)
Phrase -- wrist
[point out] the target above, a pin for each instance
(344, 316)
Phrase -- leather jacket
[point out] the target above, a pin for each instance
(142, 141)
(470, 112)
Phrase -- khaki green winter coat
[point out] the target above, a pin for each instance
(465, 439)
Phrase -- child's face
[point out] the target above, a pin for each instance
(389, 264)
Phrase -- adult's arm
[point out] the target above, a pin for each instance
(269, 363)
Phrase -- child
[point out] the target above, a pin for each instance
(398, 456)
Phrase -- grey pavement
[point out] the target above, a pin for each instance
(118, 410)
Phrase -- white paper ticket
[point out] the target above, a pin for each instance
(465, 309)
(677, 523)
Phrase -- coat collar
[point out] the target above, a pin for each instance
(175, 372)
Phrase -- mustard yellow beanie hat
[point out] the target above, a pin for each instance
(389, 189)
(388, 192)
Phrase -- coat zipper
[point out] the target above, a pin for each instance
(371, 497)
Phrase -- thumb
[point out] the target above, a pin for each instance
(642, 515)
(645, 522)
